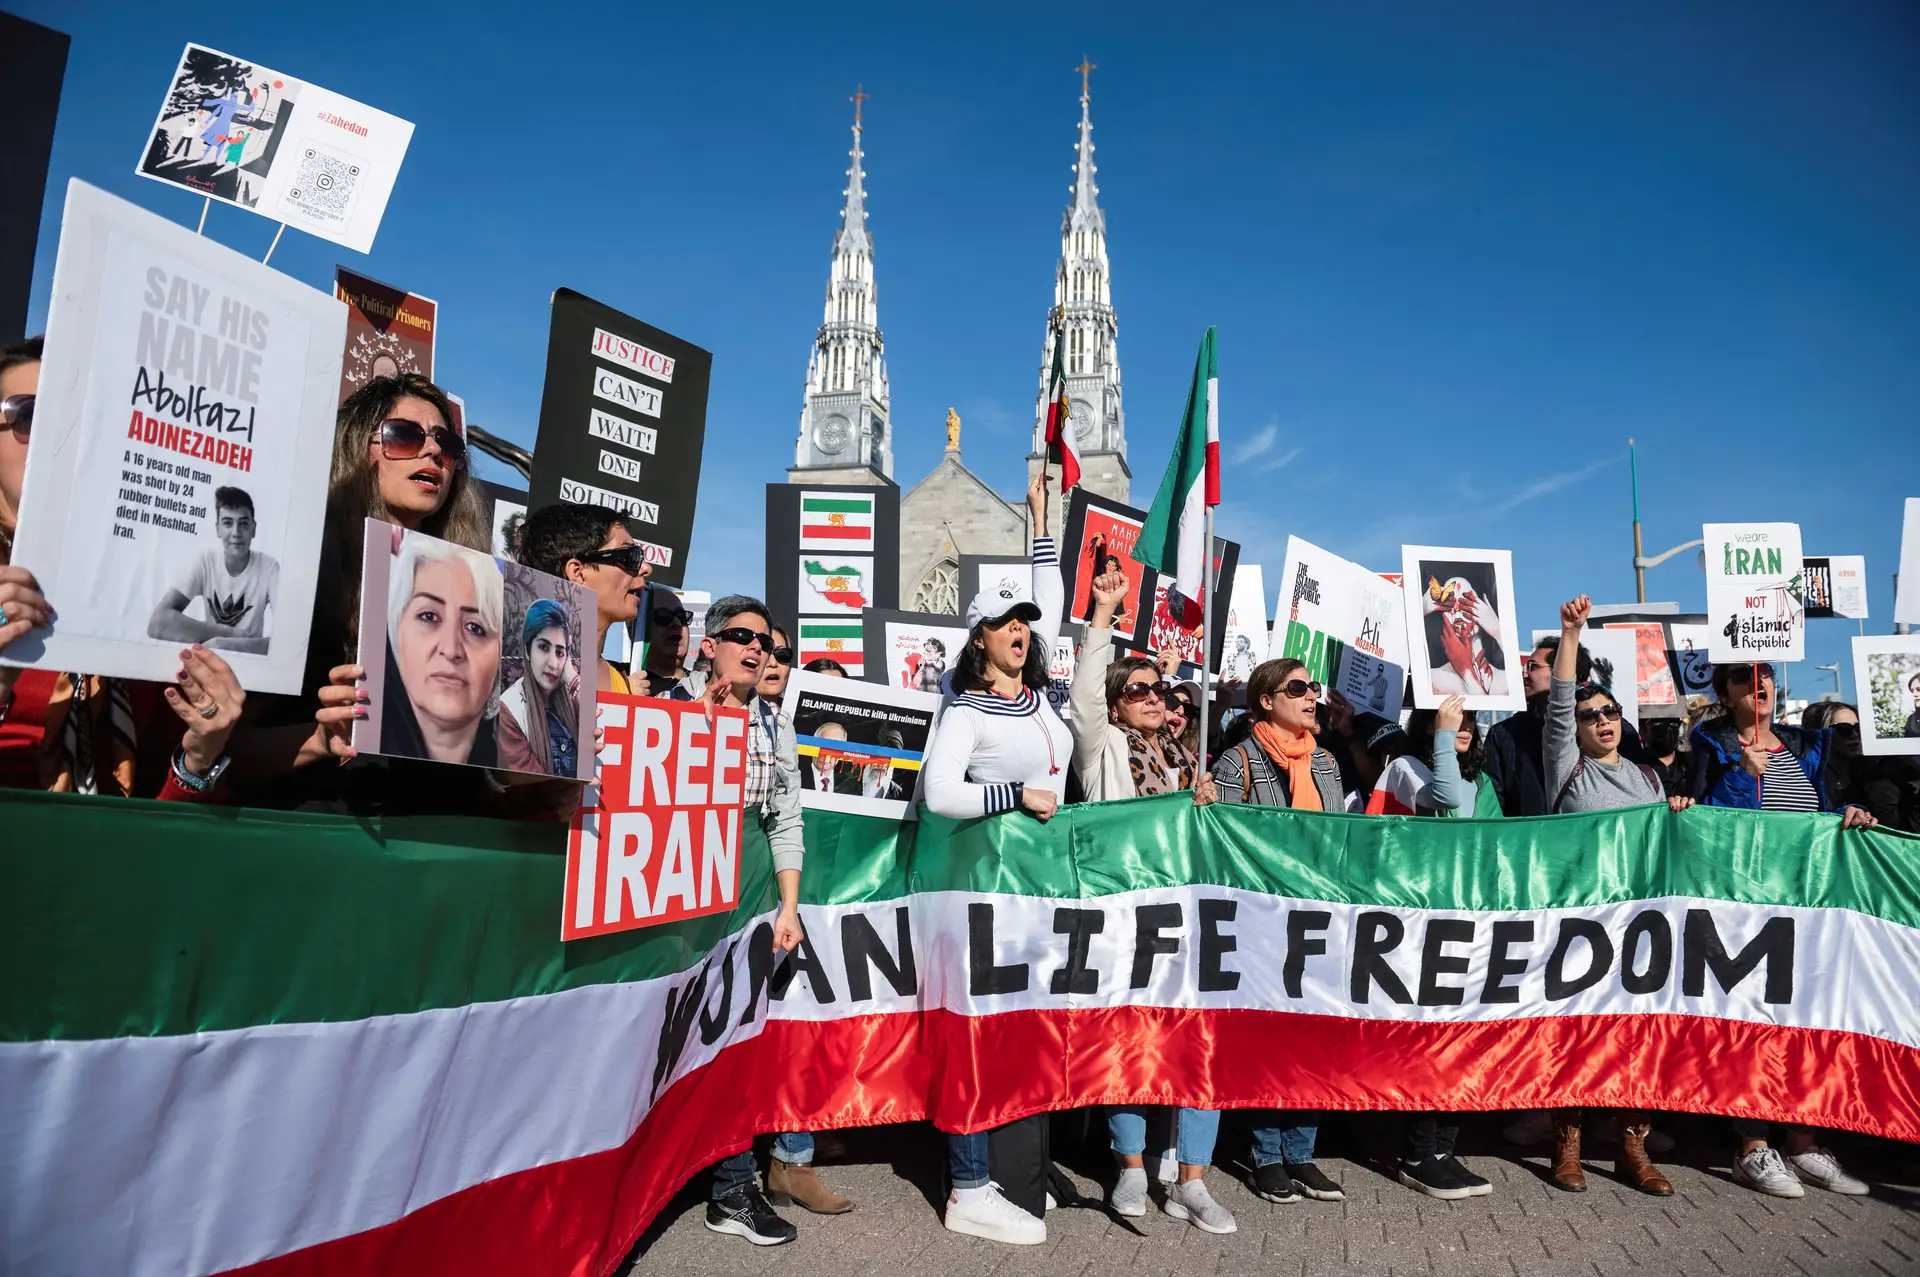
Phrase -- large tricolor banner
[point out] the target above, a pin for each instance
(300, 1044)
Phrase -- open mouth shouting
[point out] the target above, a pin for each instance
(428, 478)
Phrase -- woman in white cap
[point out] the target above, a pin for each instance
(1001, 748)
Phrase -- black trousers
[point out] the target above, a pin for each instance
(1020, 1154)
(1430, 1135)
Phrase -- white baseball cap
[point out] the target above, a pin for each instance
(998, 602)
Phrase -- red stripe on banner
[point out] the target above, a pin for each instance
(579, 1218)
(837, 532)
(1212, 496)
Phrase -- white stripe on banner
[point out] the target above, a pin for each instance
(201, 1152)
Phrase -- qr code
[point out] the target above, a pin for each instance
(324, 185)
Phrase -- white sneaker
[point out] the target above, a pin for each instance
(984, 1213)
(1763, 1170)
(1192, 1202)
(1129, 1195)
(1820, 1168)
(1531, 1129)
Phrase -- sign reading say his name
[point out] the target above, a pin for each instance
(1756, 592)
(177, 483)
(657, 837)
(623, 424)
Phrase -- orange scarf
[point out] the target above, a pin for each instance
(1294, 752)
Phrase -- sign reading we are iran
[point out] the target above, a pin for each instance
(623, 423)
(176, 489)
(1756, 592)
(657, 837)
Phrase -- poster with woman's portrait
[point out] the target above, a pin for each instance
(1461, 627)
(1886, 672)
(471, 659)
(1099, 537)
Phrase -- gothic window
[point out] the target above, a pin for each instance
(939, 590)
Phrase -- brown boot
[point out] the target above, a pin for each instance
(1566, 1151)
(788, 1184)
(1631, 1163)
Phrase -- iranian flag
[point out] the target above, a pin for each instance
(836, 521)
(283, 1044)
(1173, 541)
(834, 640)
(1063, 448)
(836, 582)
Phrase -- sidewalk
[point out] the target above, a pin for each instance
(1710, 1226)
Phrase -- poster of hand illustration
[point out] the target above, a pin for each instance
(237, 132)
(1756, 592)
(1461, 626)
(177, 484)
(472, 659)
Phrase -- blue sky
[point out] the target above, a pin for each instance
(1457, 253)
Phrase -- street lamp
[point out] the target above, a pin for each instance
(1640, 562)
(1834, 670)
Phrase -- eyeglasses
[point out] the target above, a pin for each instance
(627, 558)
(1138, 692)
(744, 637)
(1594, 713)
(672, 615)
(1743, 674)
(1179, 704)
(1296, 688)
(784, 655)
(1846, 729)
(16, 413)
(403, 440)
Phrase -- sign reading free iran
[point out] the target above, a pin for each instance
(623, 424)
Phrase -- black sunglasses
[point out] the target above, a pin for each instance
(403, 440)
(1594, 713)
(1846, 729)
(16, 413)
(1137, 692)
(1296, 688)
(784, 655)
(672, 616)
(627, 558)
(1743, 674)
(745, 637)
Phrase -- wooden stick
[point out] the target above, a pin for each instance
(276, 243)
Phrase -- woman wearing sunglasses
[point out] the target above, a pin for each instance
(778, 668)
(1585, 772)
(1281, 766)
(1124, 747)
(1887, 786)
(590, 545)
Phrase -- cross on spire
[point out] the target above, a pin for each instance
(859, 96)
(1084, 69)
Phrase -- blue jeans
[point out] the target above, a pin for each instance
(795, 1148)
(967, 1160)
(1198, 1128)
(731, 1174)
(1290, 1144)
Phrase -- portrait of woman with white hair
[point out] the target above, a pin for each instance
(444, 605)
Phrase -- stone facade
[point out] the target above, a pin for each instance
(949, 513)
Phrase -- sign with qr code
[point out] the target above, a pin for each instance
(623, 423)
(237, 132)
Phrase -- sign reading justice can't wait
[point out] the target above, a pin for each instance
(623, 424)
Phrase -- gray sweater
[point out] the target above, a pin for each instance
(1596, 786)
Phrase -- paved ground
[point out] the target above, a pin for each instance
(1526, 1227)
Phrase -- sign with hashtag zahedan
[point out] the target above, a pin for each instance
(657, 837)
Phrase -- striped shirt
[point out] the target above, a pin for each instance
(1786, 787)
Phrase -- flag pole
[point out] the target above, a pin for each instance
(1205, 707)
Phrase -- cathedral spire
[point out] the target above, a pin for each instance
(1085, 209)
(845, 423)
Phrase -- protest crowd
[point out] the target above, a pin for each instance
(1130, 728)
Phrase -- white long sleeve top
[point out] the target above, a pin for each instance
(989, 747)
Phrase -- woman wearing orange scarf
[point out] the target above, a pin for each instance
(1283, 767)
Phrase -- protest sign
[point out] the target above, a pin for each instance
(1836, 586)
(472, 659)
(657, 838)
(831, 552)
(1345, 623)
(993, 572)
(1164, 631)
(33, 63)
(1653, 683)
(861, 744)
(1756, 592)
(913, 650)
(505, 508)
(177, 485)
(1906, 598)
(236, 132)
(1461, 626)
(1246, 624)
(1690, 637)
(1099, 537)
(390, 331)
(623, 422)
(1886, 678)
(1616, 653)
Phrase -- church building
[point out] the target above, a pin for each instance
(846, 434)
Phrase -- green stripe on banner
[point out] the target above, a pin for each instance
(127, 918)
(831, 629)
(838, 505)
